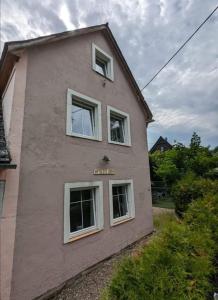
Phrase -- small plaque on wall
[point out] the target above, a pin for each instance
(104, 172)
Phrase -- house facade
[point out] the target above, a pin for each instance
(161, 145)
(75, 181)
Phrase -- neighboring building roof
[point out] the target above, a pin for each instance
(161, 145)
(12, 51)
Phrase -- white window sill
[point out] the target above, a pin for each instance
(87, 137)
(122, 220)
(82, 235)
(121, 144)
(106, 77)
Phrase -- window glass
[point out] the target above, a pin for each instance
(117, 129)
(82, 119)
(2, 189)
(101, 66)
(82, 209)
(120, 201)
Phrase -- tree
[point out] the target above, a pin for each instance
(195, 141)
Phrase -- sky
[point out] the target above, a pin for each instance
(184, 97)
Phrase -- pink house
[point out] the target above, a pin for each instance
(74, 172)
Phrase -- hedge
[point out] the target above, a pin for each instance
(190, 188)
(177, 264)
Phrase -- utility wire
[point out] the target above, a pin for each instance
(183, 45)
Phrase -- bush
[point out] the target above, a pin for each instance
(190, 188)
(202, 215)
(177, 264)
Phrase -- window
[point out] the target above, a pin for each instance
(83, 116)
(121, 196)
(102, 63)
(2, 190)
(101, 66)
(83, 209)
(118, 127)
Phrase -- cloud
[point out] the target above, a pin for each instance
(184, 97)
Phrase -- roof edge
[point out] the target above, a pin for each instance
(10, 48)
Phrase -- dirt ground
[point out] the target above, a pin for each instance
(89, 286)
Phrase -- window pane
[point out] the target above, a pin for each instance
(87, 194)
(88, 213)
(117, 134)
(82, 120)
(115, 190)
(101, 67)
(2, 189)
(123, 205)
(88, 122)
(116, 211)
(82, 209)
(120, 207)
(75, 217)
(75, 196)
(77, 119)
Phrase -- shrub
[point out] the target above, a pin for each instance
(202, 215)
(190, 188)
(176, 264)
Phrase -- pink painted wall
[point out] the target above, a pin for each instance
(49, 158)
(8, 218)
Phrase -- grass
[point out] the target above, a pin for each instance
(163, 220)
(164, 203)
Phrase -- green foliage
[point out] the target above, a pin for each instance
(202, 215)
(195, 141)
(179, 168)
(173, 164)
(163, 220)
(177, 264)
(190, 188)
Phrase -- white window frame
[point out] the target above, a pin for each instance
(130, 204)
(101, 54)
(123, 115)
(86, 100)
(99, 214)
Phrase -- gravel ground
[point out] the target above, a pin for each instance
(89, 286)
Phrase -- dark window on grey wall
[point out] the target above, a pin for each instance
(120, 201)
(117, 129)
(2, 190)
(82, 209)
(101, 66)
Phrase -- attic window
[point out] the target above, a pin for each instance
(102, 63)
(101, 66)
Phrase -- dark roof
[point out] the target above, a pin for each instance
(12, 51)
(161, 141)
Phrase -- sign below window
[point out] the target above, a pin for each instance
(104, 172)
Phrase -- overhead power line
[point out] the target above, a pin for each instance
(183, 45)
